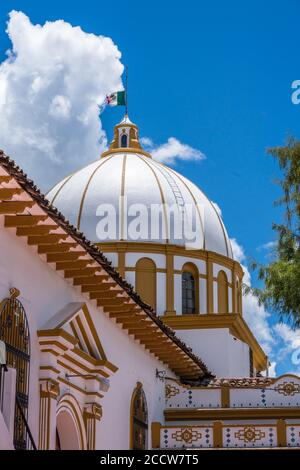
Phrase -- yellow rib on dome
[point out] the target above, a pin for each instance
(85, 191)
(162, 198)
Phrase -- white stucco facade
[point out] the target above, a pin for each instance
(43, 293)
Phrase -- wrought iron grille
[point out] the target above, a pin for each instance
(140, 420)
(14, 332)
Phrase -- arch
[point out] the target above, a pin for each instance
(14, 331)
(222, 292)
(190, 289)
(138, 419)
(71, 434)
(145, 282)
(124, 140)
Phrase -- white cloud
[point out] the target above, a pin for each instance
(290, 341)
(279, 340)
(255, 315)
(267, 246)
(146, 141)
(172, 150)
(51, 84)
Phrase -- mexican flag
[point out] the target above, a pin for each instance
(116, 99)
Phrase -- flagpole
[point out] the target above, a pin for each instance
(126, 90)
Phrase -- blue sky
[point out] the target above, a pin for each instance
(216, 76)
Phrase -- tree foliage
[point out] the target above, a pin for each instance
(281, 276)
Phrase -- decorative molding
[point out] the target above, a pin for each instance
(175, 250)
(91, 414)
(231, 413)
(49, 392)
(288, 388)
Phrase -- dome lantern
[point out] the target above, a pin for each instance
(126, 138)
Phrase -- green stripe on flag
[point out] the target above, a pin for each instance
(121, 99)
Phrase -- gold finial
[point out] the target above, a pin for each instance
(14, 292)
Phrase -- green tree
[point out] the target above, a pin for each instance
(281, 277)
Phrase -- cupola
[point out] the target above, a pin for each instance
(126, 138)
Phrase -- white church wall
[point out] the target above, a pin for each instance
(6, 442)
(239, 359)
(223, 355)
(135, 365)
(215, 296)
(177, 294)
(113, 257)
(130, 277)
(229, 299)
(43, 292)
(203, 295)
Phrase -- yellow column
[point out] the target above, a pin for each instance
(155, 432)
(49, 392)
(170, 284)
(91, 414)
(233, 290)
(225, 396)
(210, 285)
(121, 261)
(281, 433)
(218, 434)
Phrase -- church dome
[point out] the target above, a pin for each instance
(129, 180)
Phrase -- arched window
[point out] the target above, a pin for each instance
(190, 289)
(145, 283)
(139, 419)
(222, 292)
(124, 140)
(14, 331)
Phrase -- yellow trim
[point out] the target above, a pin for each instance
(235, 307)
(69, 401)
(198, 414)
(139, 386)
(164, 248)
(225, 396)
(162, 198)
(145, 282)
(170, 285)
(122, 196)
(281, 433)
(192, 269)
(235, 322)
(85, 191)
(155, 435)
(222, 286)
(122, 150)
(121, 263)
(218, 434)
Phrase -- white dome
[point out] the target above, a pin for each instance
(141, 180)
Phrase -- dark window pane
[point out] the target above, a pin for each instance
(188, 293)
